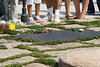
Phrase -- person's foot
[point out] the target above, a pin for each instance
(32, 22)
(57, 19)
(90, 13)
(39, 20)
(68, 15)
(50, 17)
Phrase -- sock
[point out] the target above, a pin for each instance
(37, 17)
(57, 12)
(30, 18)
(50, 10)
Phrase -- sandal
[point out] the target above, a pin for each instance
(68, 15)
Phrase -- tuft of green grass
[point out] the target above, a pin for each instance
(39, 55)
(3, 47)
(49, 62)
(27, 48)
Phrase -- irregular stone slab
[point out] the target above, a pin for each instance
(81, 58)
(95, 41)
(63, 35)
(18, 60)
(41, 47)
(56, 53)
(36, 65)
(24, 29)
(12, 52)
(4, 35)
(86, 20)
(6, 41)
(73, 26)
(53, 29)
(64, 45)
(13, 44)
(94, 28)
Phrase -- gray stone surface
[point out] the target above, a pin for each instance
(36, 65)
(81, 58)
(41, 47)
(95, 41)
(18, 60)
(12, 52)
(73, 26)
(14, 43)
(65, 45)
(94, 28)
(63, 35)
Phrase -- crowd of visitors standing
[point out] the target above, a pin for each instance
(53, 8)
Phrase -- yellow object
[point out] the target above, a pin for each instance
(11, 26)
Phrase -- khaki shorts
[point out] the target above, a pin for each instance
(30, 2)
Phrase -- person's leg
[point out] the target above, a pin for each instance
(37, 10)
(91, 9)
(56, 7)
(98, 3)
(77, 8)
(84, 7)
(67, 6)
(6, 8)
(49, 4)
(13, 9)
(29, 8)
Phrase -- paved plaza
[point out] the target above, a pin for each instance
(79, 52)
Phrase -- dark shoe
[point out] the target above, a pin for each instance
(90, 13)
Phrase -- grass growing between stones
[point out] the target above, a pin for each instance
(3, 47)
(88, 24)
(49, 62)
(37, 55)
(27, 48)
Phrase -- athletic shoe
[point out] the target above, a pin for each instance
(50, 17)
(57, 19)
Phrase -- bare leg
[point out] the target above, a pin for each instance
(77, 7)
(29, 7)
(37, 8)
(67, 6)
(56, 5)
(84, 7)
(49, 3)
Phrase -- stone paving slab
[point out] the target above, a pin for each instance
(86, 57)
(94, 28)
(36, 65)
(41, 47)
(65, 45)
(95, 41)
(24, 29)
(12, 52)
(6, 41)
(4, 35)
(86, 20)
(13, 44)
(73, 26)
(18, 60)
(53, 29)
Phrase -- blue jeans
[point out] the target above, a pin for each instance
(91, 7)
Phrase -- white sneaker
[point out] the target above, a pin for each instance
(50, 17)
(57, 19)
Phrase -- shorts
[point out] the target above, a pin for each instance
(30, 2)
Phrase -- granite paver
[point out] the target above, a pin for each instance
(12, 52)
(73, 26)
(18, 60)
